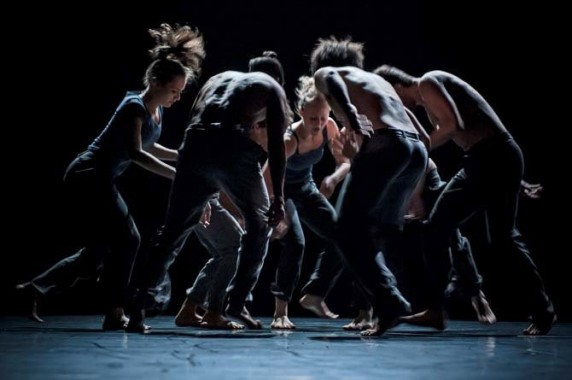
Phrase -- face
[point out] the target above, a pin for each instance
(315, 115)
(169, 93)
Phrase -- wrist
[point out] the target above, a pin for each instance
(277, 199)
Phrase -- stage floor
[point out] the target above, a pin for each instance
(74, 347)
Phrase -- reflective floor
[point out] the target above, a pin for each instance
(74, 347)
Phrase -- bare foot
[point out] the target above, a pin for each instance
(138, 328)
(484, 312)
(282, 323)
(317, 305)
(381, 326)
(245, 317)
(187, 315)
(28, 291)
(112, 323)
(363, 321)
(136, 324)
(541, 325)
(436, 319)
(34, 312)
(214, 320)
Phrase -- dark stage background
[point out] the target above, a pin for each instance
(67, 78)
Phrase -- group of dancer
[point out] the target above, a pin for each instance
(243, 157)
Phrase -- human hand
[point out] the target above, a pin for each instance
(350, 143)
(327, 186)
(530, 190)
(206, 216)
(280, 230)
(362, 125)
(276, 212)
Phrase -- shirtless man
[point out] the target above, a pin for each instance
(221, 237)
(384, 172)
(490, 180)
(235, 119)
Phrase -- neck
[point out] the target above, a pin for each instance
(149, 102)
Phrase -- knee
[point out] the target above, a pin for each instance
(256, 224)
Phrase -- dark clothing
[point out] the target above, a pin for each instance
(221, 238)
(299, 166)
(305, 204)
(490, 181)
(111, 147)
(213, 159)
(464, 275)
(106, 226)
(312, 208)
(384, 175)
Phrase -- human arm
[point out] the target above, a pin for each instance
(329, 183)
(331, 84)
(143, 158)
(417, 208)
(205, 219)
(442, 111)
(290, 146)
(423, 135)
(276, 122)
(163, 153)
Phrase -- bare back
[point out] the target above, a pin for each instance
(375, 98)
(235, 98)
(258, 105)
(478, 120)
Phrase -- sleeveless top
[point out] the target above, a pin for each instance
(299, 166)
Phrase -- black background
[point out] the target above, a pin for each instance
(67, 68)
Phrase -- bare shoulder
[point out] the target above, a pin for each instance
(225, 76)
(262, 79)
(333, 130)
(430, 84)
(436, 75)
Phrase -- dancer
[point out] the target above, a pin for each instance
(489, 180)
(235, 118)
(109, 233)
(305, 142)
(384, 173)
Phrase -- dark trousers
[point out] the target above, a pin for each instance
(209, 161)
(306, 205)
(383, 177)
(490, 181)
(102, 222)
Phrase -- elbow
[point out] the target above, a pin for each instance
(323, 72)
(135, 155)
(324, 77)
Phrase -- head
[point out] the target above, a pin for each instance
(401, 82)
(337, 53)
(268, 63)
(311, 105)
(177, 57)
